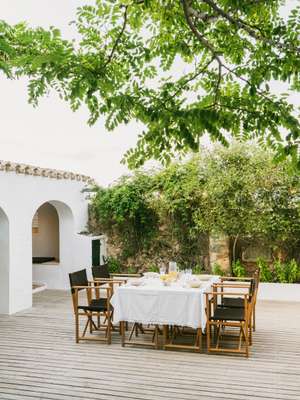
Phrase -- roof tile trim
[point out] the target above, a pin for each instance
(27, 169)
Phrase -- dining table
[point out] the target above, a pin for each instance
(153, 301)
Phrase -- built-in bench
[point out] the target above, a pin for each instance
(41, 260)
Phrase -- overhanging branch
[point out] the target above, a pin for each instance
(255, 33)
(115, 46)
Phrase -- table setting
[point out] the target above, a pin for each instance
(173, 298)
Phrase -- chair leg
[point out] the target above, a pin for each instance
(132, 331)
(136, 330)
(123, 328)
(246, 332)
(167, 332)
(250, 330)
(242, 333)
(91, 322)
(219, 327)
(77, 328)
(154, 334)
(254, 319)
(198, 341)
(108, 329)
(92, 325)
(140, 327)
(111, 320)
(85, 328)
(208, 336)
(156, 331)
(165, 335)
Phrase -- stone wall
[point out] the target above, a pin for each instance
(164, 249)
(219, 252)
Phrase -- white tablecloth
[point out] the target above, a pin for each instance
(162, 305)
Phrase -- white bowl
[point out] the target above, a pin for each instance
(151, 274)
(194, 284)
(203, 277)
(135, 282)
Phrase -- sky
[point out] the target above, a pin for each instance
(51, 135)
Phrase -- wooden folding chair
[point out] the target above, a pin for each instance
(95, 306)
(98, 282)
(238, 302)
(220, 317)
(102, 272)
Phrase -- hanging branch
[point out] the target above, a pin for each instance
(253, 32)
(216, 55)
(115, 46)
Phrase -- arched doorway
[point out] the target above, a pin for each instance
(52, 245)
(4, 263)
(45, 235)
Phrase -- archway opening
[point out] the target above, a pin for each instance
(45, 235)
(53, 245)
(4, 263)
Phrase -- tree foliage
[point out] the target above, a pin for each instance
(183, 68)
(238, 192)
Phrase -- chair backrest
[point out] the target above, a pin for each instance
(101, 272)
(78, 278)
(252, 288)
(257, 277)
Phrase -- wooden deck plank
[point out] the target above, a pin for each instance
(39, 359)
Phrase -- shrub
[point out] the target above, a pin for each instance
(293, 271)
(114, 265)
(197, 269)
(238, 269)
(153, 268)
(217, 270)
(266, 274)
(288, 272)
(131, 270)
(279, 271)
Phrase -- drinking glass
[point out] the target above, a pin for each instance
(162, 270)
(172, 266)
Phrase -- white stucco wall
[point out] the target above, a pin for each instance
(279, 292)
(20, 197)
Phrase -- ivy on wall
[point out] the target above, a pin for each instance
(169, 213)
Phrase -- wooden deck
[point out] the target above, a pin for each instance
(40, 360)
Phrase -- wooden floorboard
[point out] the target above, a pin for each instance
(39, 359)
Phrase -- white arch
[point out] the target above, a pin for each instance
(4, 263)
(62, 208)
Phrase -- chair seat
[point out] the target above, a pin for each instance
(229, 314)
(233, 302)
(96, 305)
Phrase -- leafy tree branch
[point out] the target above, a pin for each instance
(181, 68)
